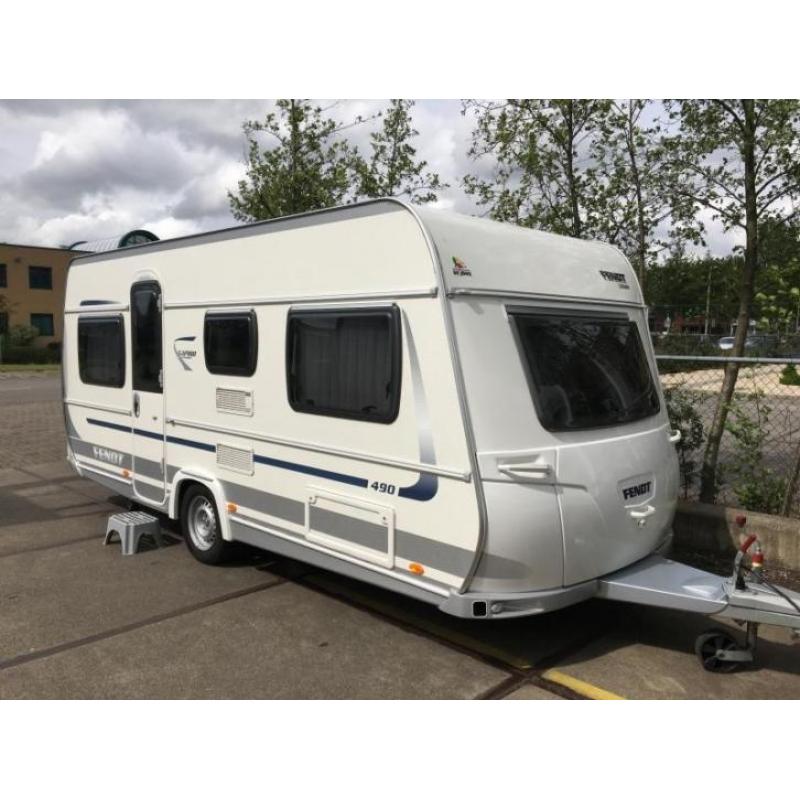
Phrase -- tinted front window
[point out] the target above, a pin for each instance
(231, 343)
(345, 363)
(587, 372)
(101, 351)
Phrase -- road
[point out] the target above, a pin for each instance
(77, 620)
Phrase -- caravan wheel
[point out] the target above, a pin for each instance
(200, 525)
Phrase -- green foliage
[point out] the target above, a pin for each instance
(790, 376)
(30, 355)
(22, 335)
(682, 407)
(296, 162)
(300, 159)
(392, 170)
(539, 177)
(756, 486)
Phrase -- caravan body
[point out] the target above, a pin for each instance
(461, 410)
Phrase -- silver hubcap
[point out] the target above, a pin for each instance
(202, 523)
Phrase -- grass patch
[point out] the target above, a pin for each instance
(29, 367)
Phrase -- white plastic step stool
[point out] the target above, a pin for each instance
(130, 526)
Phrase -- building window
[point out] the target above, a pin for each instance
(3, 276)
(101, 351)
(345, 363)
(40, 277)
(43, 323)
(3, 322)
(231, 343)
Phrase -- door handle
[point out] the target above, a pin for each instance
(674, 437)
(532, 470)
(647, 511)
(135, 404)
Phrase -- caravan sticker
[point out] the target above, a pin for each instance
(460, 268)
(185, 352)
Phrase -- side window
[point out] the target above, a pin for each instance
(146, 337)
(345, 363)
(231, 343)
(101, 351)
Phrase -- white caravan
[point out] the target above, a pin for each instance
(461, 410)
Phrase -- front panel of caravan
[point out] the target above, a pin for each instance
(568, 499)
(395, 496)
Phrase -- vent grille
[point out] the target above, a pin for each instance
(237, 459)
(235, 401)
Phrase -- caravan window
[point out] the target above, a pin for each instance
(586, 371)
(231, 343)
(101, 351)
(345, 363)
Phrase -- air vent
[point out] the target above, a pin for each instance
(238, 459)
(235, 401)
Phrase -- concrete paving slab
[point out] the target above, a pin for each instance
(284, 642)
(58, 499)
(52, 470)
(50, 597)
(527, 642)
(530, 692)
(653, 658)
(46, 533)
(16, 477)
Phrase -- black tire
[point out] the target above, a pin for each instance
(706, 646)
(200, 526)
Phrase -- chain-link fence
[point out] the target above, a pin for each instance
(759, 455)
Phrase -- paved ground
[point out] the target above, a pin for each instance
(79, 620)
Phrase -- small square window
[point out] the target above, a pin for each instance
(43, 323)
(231, 343)
(40, 277)
(3, 276)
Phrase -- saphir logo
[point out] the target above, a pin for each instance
(185, 351)
(460, 268)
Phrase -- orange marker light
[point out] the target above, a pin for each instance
(232, 508)
(417, 569)
(125, 474)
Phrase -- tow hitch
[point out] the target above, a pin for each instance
(745, 598)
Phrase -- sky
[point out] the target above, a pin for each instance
(85, 170)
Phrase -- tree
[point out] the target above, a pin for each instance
(305, 166)
(630, 203)
(739, 160)
(393, 170)
(542, 174)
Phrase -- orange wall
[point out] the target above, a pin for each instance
(25, 301)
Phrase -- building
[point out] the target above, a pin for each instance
(32, 281)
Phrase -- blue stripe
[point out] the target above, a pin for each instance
(191, 443)
(318, 473)
(425, 488)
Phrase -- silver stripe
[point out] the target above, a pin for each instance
(358, 531)
(431, 469)
(311, 299)
(144, 466)
(368, 208)
(104, 309)
(155, 494)
(503, 294)
(285, 543)
(265, 503)
(98, 407)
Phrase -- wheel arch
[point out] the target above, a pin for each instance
(183, 479)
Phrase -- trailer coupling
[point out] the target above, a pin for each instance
(661, 582)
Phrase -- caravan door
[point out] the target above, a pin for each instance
(596, 394)
(148, 392)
